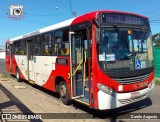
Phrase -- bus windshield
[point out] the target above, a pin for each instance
(125, 49)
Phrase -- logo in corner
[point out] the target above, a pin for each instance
(16, 12)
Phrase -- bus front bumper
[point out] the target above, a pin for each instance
(106, 101)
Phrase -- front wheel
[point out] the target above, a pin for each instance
(64, 93)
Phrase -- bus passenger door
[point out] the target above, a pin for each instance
(30, 60)
(76, 65)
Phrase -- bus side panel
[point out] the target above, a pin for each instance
(14, 64)
(43, 66)
(21, 63)
(60, 70)
(8, 63)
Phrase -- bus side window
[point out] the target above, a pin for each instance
(58, 41)
(61, 46)
(7, 48)
(65, 49)
(37, 46)
(16, 48)
(47, 44)
(22, 48)
(65, 41)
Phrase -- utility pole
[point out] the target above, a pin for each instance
(72, 12)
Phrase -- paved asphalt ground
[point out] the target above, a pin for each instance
(33, 99)
(2, 66)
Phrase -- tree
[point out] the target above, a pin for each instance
(156, 39)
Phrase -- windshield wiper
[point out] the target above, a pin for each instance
(132, 54)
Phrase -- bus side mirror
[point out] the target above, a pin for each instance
(97, 36)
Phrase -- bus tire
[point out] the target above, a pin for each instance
(64, 93)
(18, 77)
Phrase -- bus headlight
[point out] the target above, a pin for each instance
(106, 89)
(151, 85)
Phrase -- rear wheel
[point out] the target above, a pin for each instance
(64, 93)
(18, 75)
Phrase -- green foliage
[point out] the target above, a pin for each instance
(156, 39)
(2, 75)
(157, 81)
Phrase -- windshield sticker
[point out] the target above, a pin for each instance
(110, 57)
(102, 57)
(138, 64)
(143, 63)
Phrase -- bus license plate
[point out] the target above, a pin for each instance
(135, 94)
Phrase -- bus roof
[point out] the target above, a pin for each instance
(46, 29)
(76, 20)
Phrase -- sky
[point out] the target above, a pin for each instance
(43, 13)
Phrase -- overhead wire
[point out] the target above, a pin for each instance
(33, 21)
(45, 15)
(154, 18)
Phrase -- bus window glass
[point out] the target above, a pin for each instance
(47, 44)
(85, 44)
(58, 36)
(22, 48)
(65, 42)
(7, 48)
(16, 48)
(130, 46)
(37, 48)
(140, 43)
(78, 42)
(65, 37)
(119, 49)
(61, 46)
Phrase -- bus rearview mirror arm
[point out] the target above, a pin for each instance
(97, 36)
(96, 22)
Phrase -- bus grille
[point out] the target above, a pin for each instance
(131, 100)
(131, 80)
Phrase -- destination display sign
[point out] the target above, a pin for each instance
(124, 19)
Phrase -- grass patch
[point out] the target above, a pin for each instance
(157, 81)
(4, 76)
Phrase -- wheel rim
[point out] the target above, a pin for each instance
(17, 75)
(63, 91)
